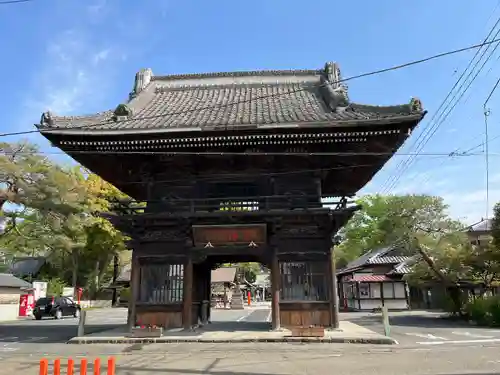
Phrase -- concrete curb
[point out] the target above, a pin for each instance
(166, 340)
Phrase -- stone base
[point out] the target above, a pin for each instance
(307, 331)
(237, 301)
(146, 332)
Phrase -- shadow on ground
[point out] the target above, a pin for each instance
(423, 321)
(41, 333)
(232, 326)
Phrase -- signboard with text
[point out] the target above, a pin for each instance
(229, 235)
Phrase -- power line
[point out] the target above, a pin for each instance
(426, 136)
(486, 146)
(376, 72)
(224, 176)
(14, 2)
(457, 150)
(482, 143)
(229, 153)
(404, 165)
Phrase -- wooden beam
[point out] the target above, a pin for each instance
(334, 297)
(275, 290)
(187, 307)
(135, 280)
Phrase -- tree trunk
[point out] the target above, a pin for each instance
(451, 286)
(74, 276)
(114, 299)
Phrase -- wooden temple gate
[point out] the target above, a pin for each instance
(234, 167)
(172, 262)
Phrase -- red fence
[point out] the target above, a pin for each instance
(44, 366)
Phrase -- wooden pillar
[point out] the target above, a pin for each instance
(208, 291)
(275, 290)
(135, 284)
(334, 297)
(187, 306)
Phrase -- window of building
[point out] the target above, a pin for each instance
(303, 281)
(161, 284)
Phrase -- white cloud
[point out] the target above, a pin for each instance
(97, 10)
(470, 205)
(73, 72)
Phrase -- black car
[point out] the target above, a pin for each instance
(55, 307)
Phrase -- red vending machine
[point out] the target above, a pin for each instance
(23, 304)
(26, 304)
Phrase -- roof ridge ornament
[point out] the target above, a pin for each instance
(47, 118)
(142, 79)
(416, 105)
(334, 91)
(122, 112)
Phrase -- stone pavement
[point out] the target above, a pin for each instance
(425, 328)
(241, 332)
(268, 358)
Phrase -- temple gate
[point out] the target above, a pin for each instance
(233, 167)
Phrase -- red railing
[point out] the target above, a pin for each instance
(70, 370)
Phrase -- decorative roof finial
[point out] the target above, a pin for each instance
(332, 72)
(122, 112)
(416, 105)
(142, 79)
(335, 92)
(47, 118)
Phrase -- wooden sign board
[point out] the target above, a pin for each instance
(229, 235)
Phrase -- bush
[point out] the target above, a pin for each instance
(485, 311)
(55, 286)
(125, 294)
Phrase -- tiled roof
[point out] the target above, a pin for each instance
(377, 256)
(405, 266)
(26, 266)
(223, 275)
(221, 101)
(8, 280)
(387, 259)
(484, 225)
(370, 278)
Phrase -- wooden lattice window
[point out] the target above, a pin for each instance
(161, 283)
(303, 281)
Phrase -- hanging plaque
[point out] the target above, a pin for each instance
(251, 235)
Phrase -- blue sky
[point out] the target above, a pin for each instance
(76, 57)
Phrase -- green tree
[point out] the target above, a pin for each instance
(495, 226)
(58, 215)
(25, 182)
(387, 220)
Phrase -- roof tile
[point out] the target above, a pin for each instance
(223, 275)
(371, 278)
(232, 100)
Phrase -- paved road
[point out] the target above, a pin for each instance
(281, 359)
(426, 329)
(32, 335)
(417, 330)
(49, 335)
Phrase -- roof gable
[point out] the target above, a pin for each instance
(386, 255)
(484, 225)
(405, 266)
